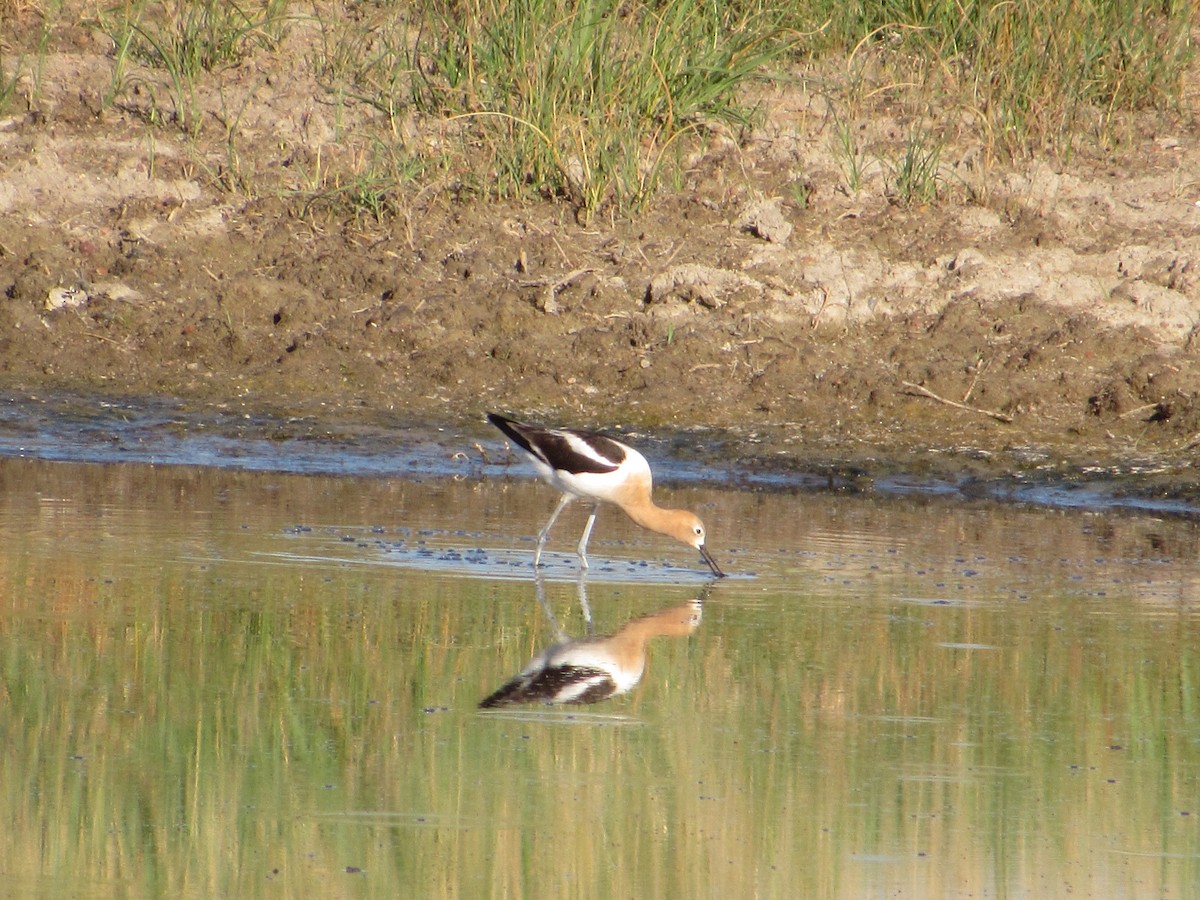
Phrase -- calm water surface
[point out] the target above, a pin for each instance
(230, 684)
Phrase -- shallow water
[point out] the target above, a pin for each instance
(230, 683)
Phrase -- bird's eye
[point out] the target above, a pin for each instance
(699, 531)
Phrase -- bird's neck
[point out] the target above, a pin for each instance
(656, 518)
(673, 622)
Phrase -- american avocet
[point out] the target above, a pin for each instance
(585, 465)
(591, 669)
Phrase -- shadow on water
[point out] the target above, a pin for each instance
(224, 682)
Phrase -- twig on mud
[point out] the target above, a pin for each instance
(979, 368)
(674, 253)
(562, 252)
(1192, 444)
(1133, 412)
(816, 317)
(921, 391)
(109, 340)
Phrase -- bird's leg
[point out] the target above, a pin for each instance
(545, 532)
(587, 533)
(539, 587)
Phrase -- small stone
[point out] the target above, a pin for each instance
(65, 298)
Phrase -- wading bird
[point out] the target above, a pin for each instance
(585, 465)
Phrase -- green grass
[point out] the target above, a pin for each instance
(582, 101)
(1034, 75)
(849, 155)
(915, 173)
(371, 193)
(30, 57)
(185, 39)
(10, 73)
(190, 37)
(601, 104)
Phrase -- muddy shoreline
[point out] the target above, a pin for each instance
(67, 427)
(1039, 317)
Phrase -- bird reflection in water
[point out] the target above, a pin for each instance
(596, 667)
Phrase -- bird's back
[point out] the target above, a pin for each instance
(585, 463)
(575, 671)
